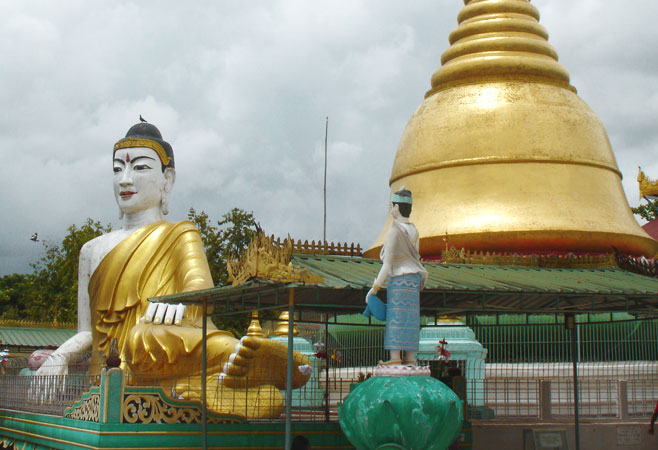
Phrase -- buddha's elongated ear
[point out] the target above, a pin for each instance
(170, 177)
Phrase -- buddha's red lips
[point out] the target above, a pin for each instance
(127, 194)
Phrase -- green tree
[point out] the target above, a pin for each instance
(12, 289)
(646, 211)
(50, 292)
(228, 239)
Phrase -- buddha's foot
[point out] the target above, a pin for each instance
(258, 361)
(259, 402)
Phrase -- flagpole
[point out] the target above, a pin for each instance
(324, 223)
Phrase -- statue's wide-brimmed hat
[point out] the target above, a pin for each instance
(147, 135)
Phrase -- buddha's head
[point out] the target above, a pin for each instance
(401, 202)
(143, 170)
(38, 357)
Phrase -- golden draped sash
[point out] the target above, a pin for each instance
(158, 259)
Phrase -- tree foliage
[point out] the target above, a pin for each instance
(646, 211)
(49, 293)
(12, 289)
(229, 238)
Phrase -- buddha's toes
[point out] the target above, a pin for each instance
(258, 361)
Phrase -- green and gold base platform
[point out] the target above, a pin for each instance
(116, 416)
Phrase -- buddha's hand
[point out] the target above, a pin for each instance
(50, 379)
(164, 313)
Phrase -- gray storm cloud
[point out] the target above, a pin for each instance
(241, 90)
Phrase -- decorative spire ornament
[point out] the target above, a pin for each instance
(282, 325)
(254, 327)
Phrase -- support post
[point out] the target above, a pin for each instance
(291, 328)
(622, 399)
(326, 367)
(545, 408)
(570, 323)
(204, 374)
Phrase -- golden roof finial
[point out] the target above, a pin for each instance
(268, 259)
(282, 325)
(254, 327)
(648, 187)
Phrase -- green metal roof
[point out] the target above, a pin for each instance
(34, 337)
(451, 288)
(340, 273)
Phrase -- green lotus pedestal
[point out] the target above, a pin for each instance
(411, 413)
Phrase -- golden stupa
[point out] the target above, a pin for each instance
(502, 155)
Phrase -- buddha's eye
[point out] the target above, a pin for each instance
(117, 169)
(141, 167)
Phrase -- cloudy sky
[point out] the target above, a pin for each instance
(241, 90)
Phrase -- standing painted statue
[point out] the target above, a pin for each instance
(401, 261)
(150, 257)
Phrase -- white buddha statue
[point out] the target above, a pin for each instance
(150, 257)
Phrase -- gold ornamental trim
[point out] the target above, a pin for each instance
(566, 261)
(31, 324)
(267, 259)
(88, 410)
(153, 145)
(153, 408)
(648, 187)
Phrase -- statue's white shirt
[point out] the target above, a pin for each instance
(400, 252)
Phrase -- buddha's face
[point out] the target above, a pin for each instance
(37, 358)
(139, 183)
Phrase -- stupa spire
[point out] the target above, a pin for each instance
(499, 40)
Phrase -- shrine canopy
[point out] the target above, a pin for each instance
(338, 285)
(23, 337)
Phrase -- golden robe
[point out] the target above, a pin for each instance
(158, 259)
(167, 258)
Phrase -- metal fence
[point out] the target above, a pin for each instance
(51, 394)
(611, 348)
(523, 352)
(618, 370)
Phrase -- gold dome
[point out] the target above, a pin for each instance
(502, 155)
